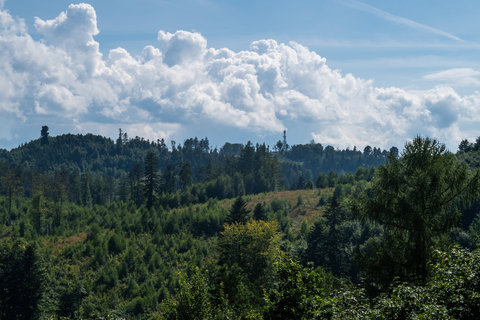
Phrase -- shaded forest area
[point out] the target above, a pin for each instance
(96, 229)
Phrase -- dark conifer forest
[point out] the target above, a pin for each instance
(92, 228)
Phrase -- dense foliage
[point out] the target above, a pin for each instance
(91, 229)
(415, 199)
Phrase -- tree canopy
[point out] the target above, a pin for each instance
(415, 199)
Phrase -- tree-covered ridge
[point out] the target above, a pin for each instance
(385, 243)
(89, 169)
(97, 154)
(319, 159)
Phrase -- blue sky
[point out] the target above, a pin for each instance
(341, 72)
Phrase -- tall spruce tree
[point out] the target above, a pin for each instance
(325, 241)
(150, 178)
(238, 211)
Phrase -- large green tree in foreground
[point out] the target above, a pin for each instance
(415, 199)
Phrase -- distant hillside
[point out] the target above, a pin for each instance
(83, 152)
(469, 153)
(314, 159)
(79, 165)
(96, 154)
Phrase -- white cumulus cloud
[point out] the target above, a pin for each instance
(179, 87)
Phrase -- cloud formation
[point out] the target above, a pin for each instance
(181, 88)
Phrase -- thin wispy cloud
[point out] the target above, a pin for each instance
(397, 19)
(370, 44)
(459, 77)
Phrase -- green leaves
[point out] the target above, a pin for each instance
(455, 280)
(299, 293)
(253, 246)
(451, 290)
(410, 302)
(192, 301)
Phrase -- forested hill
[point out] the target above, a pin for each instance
(318, 159)
(131, 229)
(94, 169)
(97, 154)
(92, 153)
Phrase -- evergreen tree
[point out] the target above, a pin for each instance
(465, 146)
(120, 137)
(38, 212)
(86, 192)
(259, 212)
(44, 135)
(12, 186)
(332, 178)
(136, 189)
(185, 175)
(123, 188)
(238, 211)
(150, 178)
(21, 282)
(169, 179)
(325, 241)
(322, 180)
(415, 198)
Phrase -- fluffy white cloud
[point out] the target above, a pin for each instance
(183, 88)
(182, 47)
